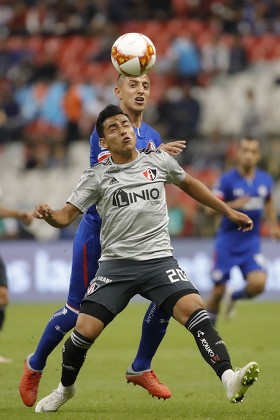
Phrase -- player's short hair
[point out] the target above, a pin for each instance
(107, 112)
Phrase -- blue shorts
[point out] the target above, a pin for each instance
(86, 253)
(224, 261)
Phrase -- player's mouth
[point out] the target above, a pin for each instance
(126, 139)
(140, 100)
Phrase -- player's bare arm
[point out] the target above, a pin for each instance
(24, 216)
(238, 203)
(56, 218)
(203, 195)
(271, 217)
(174, 148)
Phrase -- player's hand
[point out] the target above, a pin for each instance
(26, 218)
(174, 148)
(242, 220)
(42, 211)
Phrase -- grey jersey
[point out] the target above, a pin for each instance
(130, 199)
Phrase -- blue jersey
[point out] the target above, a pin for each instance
(232, 185)
(232, 246)
(146, 137)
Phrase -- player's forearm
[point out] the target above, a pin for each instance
(57, 218)
(6, 212)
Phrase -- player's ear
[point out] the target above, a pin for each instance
(103, 143)
(118, 93)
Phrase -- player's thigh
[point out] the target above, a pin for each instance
(114, 285)
(166, 284)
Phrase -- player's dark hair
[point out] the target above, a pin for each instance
(107, 112)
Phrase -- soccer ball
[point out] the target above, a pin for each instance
(133, 54)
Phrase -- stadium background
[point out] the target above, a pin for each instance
(217, 78)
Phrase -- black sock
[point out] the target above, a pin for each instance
(73, 356)
(2, 317)
(210, 345)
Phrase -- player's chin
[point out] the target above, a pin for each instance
(139, 105)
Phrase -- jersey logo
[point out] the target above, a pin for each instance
(150, 174)
(92, 287)
(262, 191)
(122, 198)
(113, 181)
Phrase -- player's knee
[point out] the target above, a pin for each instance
(256, 284)
(93, 318)
(186, 306)
(256, 288)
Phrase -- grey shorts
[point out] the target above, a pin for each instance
(117, 281)
(3, 275)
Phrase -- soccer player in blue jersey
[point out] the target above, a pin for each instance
(248, 189)
(133, 94)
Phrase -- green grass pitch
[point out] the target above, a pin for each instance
(102, 391)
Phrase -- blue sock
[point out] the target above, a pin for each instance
(60, 323)
(154, 328)
(240, 294)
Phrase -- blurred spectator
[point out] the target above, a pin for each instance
(238, 59)
(229, 13)
(252, 118)
(180, 113)
(41, 19)
(11, 121)
(16, 24)
(215, 56)
(209, 154)
(45, 147)
(182, 59)
(6, 15)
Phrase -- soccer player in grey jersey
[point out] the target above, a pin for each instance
(128, 189)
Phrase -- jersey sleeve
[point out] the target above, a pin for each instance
(86, 192)
(175, 173)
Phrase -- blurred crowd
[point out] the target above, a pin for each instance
(56, 74)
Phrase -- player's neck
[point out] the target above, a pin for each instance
(247, 172)
(124, 157)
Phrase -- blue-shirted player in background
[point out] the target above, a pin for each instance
(248, 189)
(133, 94)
